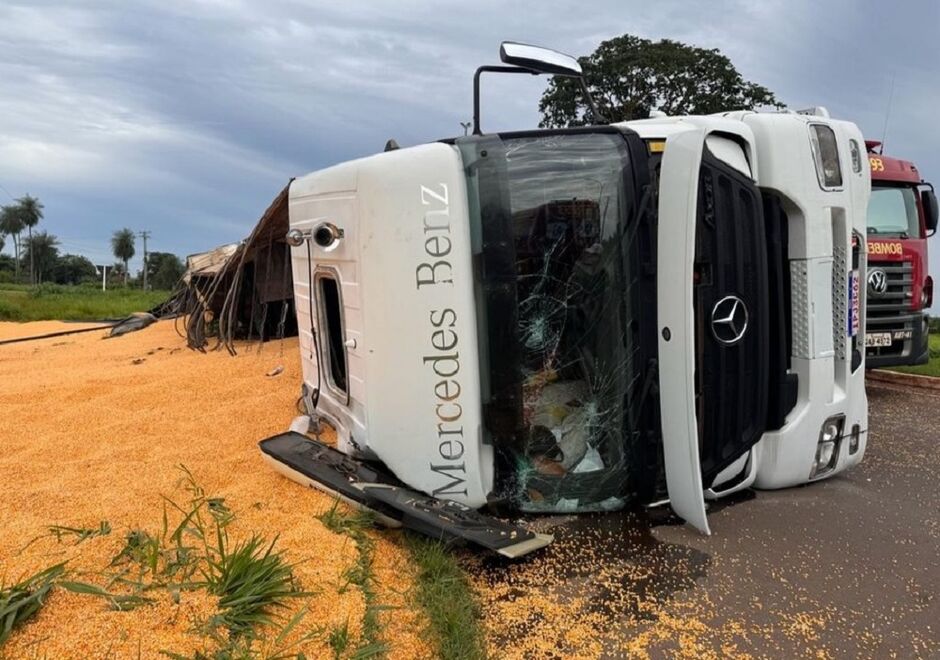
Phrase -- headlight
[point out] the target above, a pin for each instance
(827, 448)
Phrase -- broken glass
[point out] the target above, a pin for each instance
(555, 221)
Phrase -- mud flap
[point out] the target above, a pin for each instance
(320, 466)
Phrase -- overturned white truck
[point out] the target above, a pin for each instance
(574, 320)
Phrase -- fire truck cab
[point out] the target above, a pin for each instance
(902, 214)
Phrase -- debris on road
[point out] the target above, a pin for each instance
(134, 322)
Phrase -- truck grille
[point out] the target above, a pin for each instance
(890, 311)
(896, 300)
(730, 260)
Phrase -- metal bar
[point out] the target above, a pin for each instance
(476, 88)
(598, 117)
(62, 333)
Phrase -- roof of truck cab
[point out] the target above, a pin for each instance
(887, 168)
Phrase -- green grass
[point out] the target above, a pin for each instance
(119, 602)
(73, 303)
(361, 575)
(444, 593)
(80, 533)
(339, 640)
(932, 368)
(252, 582)
(61, 532)
(21, 600)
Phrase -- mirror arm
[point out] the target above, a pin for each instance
(476, 88)
(595, 113)
(495, 68)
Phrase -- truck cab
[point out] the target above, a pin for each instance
(902, 214)
(579, 319)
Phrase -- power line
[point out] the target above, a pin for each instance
(8, 193)
(884, 130)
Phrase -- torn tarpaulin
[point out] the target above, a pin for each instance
(134, 322)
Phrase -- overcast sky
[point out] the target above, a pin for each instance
(186, 117)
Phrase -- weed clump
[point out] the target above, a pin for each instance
(251, 579)
(20, 601)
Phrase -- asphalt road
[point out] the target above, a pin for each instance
(848, 567)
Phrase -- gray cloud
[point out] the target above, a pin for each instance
(186, 117)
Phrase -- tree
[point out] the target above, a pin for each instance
(7, 268)
(73, 269)
(122, 245)
(629, 76)
(30, 211)
(42, 250)
(164, 270)
(11, 223)
(3, 240)
(116, 274)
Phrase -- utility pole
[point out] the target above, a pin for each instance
(145, 234)
(104, 276)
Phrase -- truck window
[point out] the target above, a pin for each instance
(892, 211)
(331, 322)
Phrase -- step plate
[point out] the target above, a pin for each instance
(320, 466)
(446, 520)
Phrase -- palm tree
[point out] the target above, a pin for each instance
(122, 245)
(30, 214)
(11, 223)
(3, 240)
(43, 252)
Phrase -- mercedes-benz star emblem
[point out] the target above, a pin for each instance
(877, 281)
(729, 320)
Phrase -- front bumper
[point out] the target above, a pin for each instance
(905, 352)
(786, 456)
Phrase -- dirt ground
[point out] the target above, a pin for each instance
(94, 430)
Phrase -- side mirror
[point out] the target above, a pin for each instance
(533, 60)
(928, 200)
(536, 58)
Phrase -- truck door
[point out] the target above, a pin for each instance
(712, 312)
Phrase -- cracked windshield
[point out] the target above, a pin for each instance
(574, 320)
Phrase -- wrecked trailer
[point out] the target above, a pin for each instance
(242, 290)
(582, 319)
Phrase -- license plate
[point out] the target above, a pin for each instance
(854, 311)
(876, 339)
(902, 334)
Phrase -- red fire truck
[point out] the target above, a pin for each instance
(902, 213)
